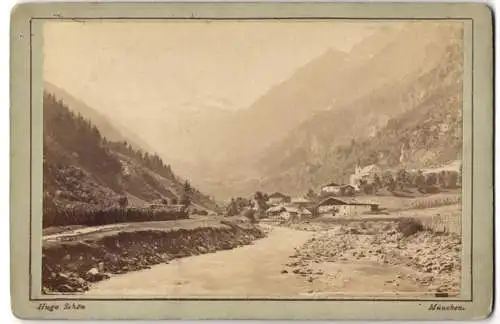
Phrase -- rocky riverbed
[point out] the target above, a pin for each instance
(425, 259)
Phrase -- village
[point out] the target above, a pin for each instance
(368, 192)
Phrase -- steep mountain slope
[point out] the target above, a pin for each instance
(330, 82)
(328, 102)
(81, 167)
(422, 112)
(110, 129)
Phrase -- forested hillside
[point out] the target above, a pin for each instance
(83, 168)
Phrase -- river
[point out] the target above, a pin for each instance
(256, 270)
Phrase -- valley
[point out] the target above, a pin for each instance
(344, 179)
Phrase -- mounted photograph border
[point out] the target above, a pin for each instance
(26, 173)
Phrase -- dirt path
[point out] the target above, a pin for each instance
(261, 270)
(78, 233)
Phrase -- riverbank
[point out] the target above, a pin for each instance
(387, 256)
(71, 261)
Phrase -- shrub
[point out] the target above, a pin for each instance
(89, 216)
(410, 226)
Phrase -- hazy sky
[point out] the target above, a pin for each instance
(129, 68)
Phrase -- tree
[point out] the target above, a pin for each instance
(187, 186)
(311, 195)
(185, 199)
(232, 208)
(431, 179)
(261, 202)
(258, 196)
(377, 182)
(389, 181)
(420, 180)
(442, 179)
(402, 178)
(123, 201)
(250, 214)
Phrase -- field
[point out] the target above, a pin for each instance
(394, 204)
(439, 212)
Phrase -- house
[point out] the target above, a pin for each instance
(278, 198)
(300, 201)
(348, 190)
(274, 211)
(292, 213)
(284, 213)
(332, 188)
(333, 206)
(305, 214)
(365, 174)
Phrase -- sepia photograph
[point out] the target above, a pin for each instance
(253, 158)
(266, 161)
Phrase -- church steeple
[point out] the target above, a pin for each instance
(358, 167)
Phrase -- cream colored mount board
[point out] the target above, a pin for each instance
(251, 161)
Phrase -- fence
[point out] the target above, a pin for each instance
(442, 223)
(435, 202)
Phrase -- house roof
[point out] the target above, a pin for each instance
(300, 200)
(291, 209)
(344, 201)
(274, 209)
(305, 212)
(332, 184)
(452, 166)
(368, 169)
(277, 195)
